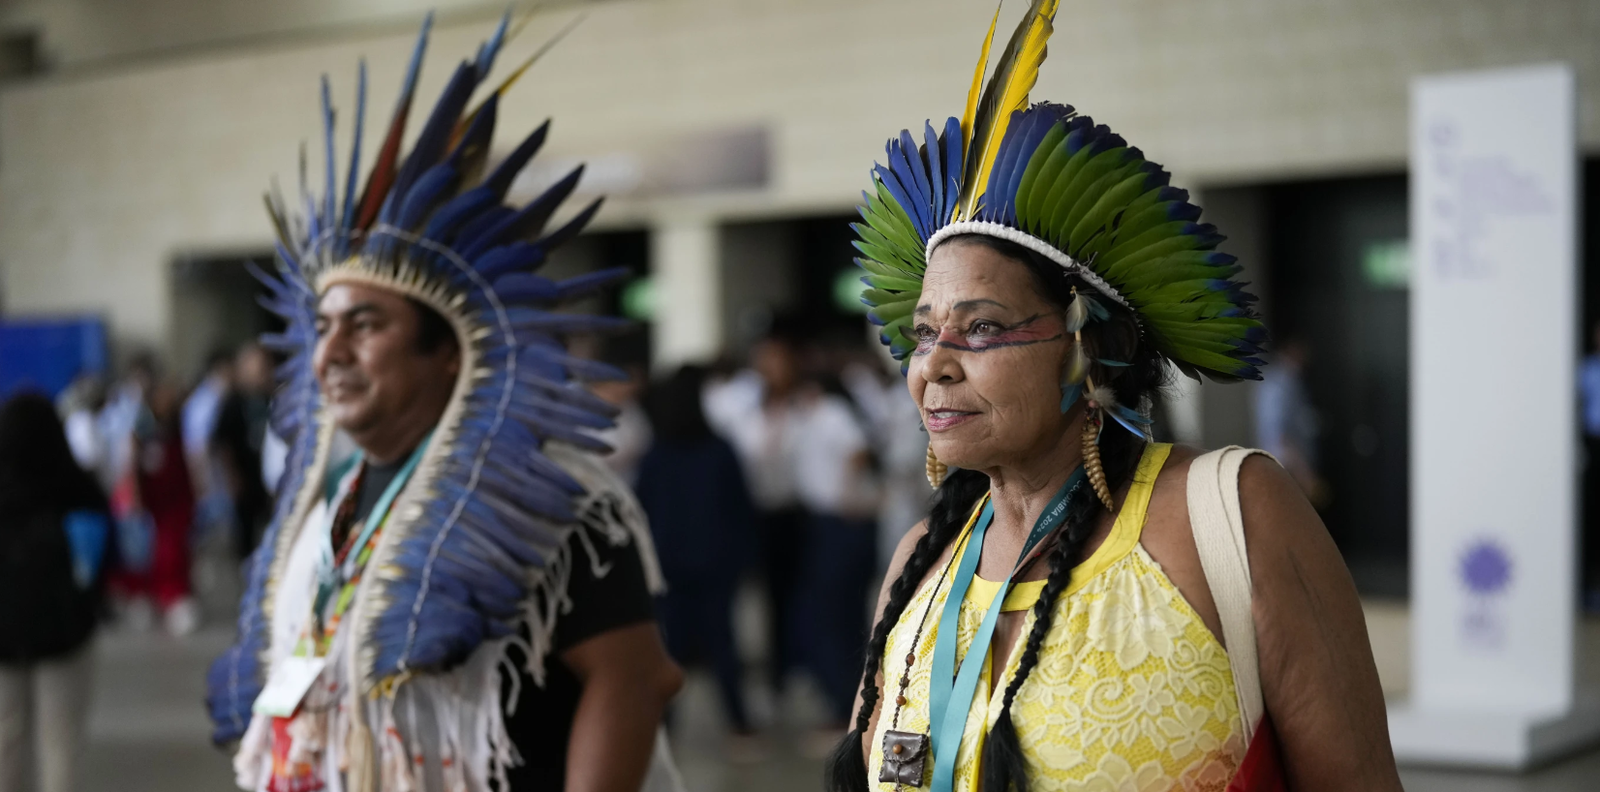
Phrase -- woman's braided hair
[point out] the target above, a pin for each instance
(1003, 765)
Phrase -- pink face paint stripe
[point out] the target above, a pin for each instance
(1025, 333)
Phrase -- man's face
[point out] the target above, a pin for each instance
(372, 373)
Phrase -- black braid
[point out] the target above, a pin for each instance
(1003, 765)
(846, 767)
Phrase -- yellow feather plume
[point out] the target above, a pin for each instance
(1007, 92)
(977, 83)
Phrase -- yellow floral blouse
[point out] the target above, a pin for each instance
(1131, 693)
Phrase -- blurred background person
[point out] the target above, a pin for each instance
(162, 499)
(1287, 425)
(79, 406)
(755, 411)
(54, 541)
(900, 445)
(836, 483)
(1589, 382)
(692, 489)
(239, 440)
(214, 512)
(629, 435)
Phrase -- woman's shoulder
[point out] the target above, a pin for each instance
(1262, 481)
(1267, 495)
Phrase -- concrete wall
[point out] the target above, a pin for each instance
(106, 176)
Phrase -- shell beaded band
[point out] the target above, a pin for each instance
(1029, 241)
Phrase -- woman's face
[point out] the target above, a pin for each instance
(986, 373)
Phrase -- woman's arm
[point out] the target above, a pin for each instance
(1317, 674)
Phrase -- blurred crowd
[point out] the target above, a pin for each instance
(105, 497)
(181, 467)
(796, 473)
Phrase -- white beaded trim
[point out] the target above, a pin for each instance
(1029, 241)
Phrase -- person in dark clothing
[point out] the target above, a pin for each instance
(692, 488)
(240, 433)
(54, 540)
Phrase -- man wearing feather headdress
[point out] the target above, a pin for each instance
(465, 605)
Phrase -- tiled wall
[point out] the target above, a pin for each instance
(106, 176)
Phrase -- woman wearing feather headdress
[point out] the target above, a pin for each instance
(1084, 608)
(466, 604)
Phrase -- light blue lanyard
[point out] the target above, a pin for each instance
(331, 578)
(945, 722)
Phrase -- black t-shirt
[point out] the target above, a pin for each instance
(542, 722)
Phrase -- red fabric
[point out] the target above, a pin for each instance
(1262, 768)
(168, 496)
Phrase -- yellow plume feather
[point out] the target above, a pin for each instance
(1007, 92)
(977, 83)
(516, 74)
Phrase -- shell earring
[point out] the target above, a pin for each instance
(936, 469)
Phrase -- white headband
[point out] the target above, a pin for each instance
(1033, 243)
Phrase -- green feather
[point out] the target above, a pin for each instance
(1040, 156)
(1069, 186)
(1033, 213)
(1116, 263)
(890, 269)
(1086, 200)
(895, 284)
(898, 309)
(1106, 207)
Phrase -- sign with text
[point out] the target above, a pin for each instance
(1493, 354)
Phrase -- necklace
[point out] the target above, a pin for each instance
(905, 753)
(952, 687)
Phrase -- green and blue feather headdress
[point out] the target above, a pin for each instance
(477, 531)
(1056, 183)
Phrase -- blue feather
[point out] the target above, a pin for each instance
(529, 221)
(1070, 395)
(439, 180)
(355, 148)
(953, 143)
(504, 173)
(589, 283)
(330, 197)
(904, 158)
(491, 48)
(435, 135)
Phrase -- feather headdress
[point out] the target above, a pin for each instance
(485, 517)
(1075, 192)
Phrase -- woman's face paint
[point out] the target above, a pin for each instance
(982, 335)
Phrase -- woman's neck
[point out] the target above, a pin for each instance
(1022, 491)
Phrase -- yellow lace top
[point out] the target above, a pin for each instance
(1131, 692)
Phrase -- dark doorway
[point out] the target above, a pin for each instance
(215, 307)
(1337, 253)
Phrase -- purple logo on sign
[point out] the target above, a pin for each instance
(1485, 568)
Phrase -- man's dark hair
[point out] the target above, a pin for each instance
(432, 328)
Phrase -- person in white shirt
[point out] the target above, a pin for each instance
(753, 411)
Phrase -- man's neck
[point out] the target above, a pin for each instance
(391, 447)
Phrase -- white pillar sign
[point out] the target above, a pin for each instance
(1493, 436)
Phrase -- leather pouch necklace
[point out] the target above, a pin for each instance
(905, 754)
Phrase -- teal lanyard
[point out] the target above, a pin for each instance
(330, 579)
(946, 722)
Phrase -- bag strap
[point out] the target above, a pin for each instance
(1218, 526)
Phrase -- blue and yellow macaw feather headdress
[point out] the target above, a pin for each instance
(492, 508)
(1055, 182)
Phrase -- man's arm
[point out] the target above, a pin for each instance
(627, 681)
